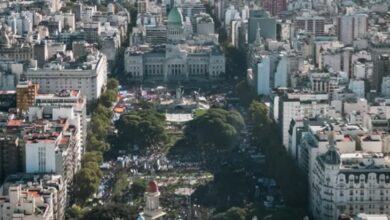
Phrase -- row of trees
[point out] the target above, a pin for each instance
(101, 124)
(87, 179)
(279, 164)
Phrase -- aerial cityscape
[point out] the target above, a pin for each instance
(195, 110)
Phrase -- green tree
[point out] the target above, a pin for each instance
(86, 183)
(112, 84)
(245, 93)
(111, 211)
(138, 189)
(217, 128)
(120, 186)
(108, 98)
(259, 113)
(92, 156)
(95, 144)
(236, 64)
(144, 128)
(233, 213)
(74, 212)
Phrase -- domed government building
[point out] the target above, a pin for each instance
(185, 55)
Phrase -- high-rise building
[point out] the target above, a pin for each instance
(261, 19)
(25, 95)
(298, 105)
(263, 76)
(311, 24)
(274, 7)
(280, 78)
(381, 69)
(11, 156)
(192, 8)
(351, 27)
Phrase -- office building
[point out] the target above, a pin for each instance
(11, 156)
(263, 76)
(25, 95)
(352, 27)
(89, 76)
(381, 69)
(311, 24)
(298, 105)
(261, 19)
(274, 7)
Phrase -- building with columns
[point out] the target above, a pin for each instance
(180, 62)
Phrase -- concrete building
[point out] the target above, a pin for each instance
(7, 100)
(51, 147)
(44, 197)
(192, 7)
(11, 156)
(25, 95)
(89, 76)
(204, 24)
(263, 76)
(357, 86)
(261, 19)
(156, 34)
(298, 105)
(349, 183)
(281, 72)
(381, 69)
(92, 31)
(175, 62)
(311, 24)
(64, 102)
(274, 7)
(385, 88)
(351, 27)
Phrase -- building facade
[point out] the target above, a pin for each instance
(175, 63)
(25, 95)
(349, 183)
(90, 77)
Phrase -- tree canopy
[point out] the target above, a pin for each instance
(111, 211)
(245, 93)
(234, 213)
(217, 129)
(144, 128)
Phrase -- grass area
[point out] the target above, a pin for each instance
(199, 112)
